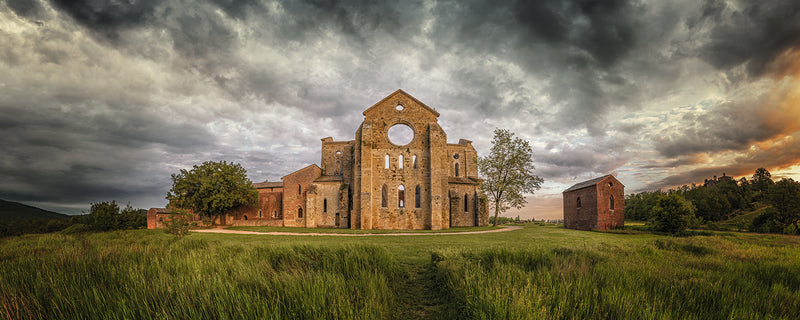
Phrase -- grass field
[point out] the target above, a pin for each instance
(538, 272)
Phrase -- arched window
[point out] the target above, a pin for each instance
(611, 202)
(386, 162)
(579, 203)
(401, 196)
(324, 205)
(456, 169)
(275, 213)
(400, 162)
(417, 198)
(383, 197)
(245, 217)
(338, 169)
(299, 212)
(299, 189)
(259, 214)
(414, 161)
(466, 203)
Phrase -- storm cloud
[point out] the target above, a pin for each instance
(103, 100)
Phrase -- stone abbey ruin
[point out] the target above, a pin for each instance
(398, 173)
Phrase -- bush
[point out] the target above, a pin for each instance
(673, 214)
(179, 222)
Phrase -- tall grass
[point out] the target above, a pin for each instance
(137, 275)
(715, 277)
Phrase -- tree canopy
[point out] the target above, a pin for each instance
(212, 189)
(508, 172)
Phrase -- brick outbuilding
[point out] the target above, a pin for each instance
(597, 204)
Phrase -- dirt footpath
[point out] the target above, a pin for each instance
(222, 230)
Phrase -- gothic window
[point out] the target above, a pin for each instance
(383, 197)
(259, 214)
(299, 212)
(414, 161)
(466, 203)
(299, 189)
(386, 162)
(245, 217)
(611, 203)
(401, 196)
(579, 202)
(338, 169)
(417, 198)
(456, 169)
(275, 213)
(400, 162)
(324, 205)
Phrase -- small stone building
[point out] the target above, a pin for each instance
(597, 204)
(398, 173)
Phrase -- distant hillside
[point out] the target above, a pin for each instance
(10, 210)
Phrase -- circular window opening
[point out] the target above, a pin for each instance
(338, 153)
(400, 134)
(455, 156)
(399, 107)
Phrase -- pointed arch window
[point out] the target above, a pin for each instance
(578, 204)
(383, 197)
(414, 161)
(611, 202)
(401, 196)
(456, 169)
(325, 205)
(466, 203)
(417, 199)
(386, 162)
(299, 212)
(400, 162)
(299, 189)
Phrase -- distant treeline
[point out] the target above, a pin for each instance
(728, 198)
(102, 216)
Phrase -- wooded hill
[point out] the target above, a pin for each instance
(10, 210)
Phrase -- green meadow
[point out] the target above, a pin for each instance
(538, 272)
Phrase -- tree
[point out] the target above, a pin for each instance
(784, 196)
(673, 214)
(212, 189)
(508, 172)
(761, 181)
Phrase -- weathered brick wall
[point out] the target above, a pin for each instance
(295, 187)
(608, 218)
(270, 203)
(585, 217)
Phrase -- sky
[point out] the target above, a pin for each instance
(104, 100)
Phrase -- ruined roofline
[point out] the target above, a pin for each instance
(304, 168)
(406, 94)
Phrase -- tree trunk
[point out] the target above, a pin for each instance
(496, 210)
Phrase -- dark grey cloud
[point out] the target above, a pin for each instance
(751, 32)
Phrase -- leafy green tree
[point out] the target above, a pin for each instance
(784, 196)
(212, 189)
(103, 216)
(673, 214)
(761, 182)
(508, 172)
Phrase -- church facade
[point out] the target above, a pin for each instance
(398, 173)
